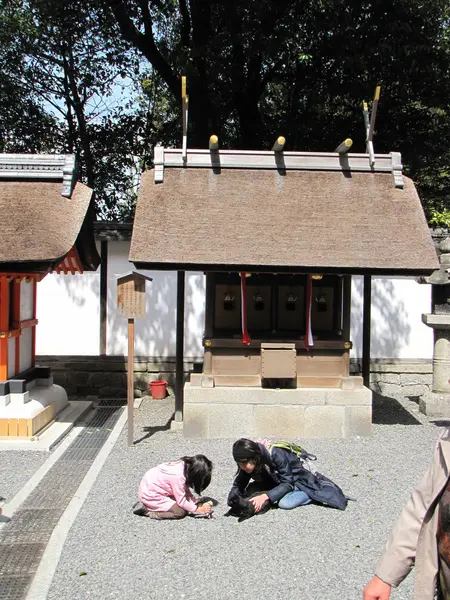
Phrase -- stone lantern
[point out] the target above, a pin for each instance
(437, 402)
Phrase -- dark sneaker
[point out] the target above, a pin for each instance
(139, 509)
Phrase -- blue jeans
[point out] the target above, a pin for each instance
(293, 499)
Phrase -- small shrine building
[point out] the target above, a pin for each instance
(46, 225)
(278, 235)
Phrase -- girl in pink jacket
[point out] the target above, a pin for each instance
(165, 490)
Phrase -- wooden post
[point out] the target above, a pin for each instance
(130, 382)
(367, 306)
(103, 296)
(131, 304)
(179, 382)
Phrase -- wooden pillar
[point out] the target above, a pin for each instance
(367, 306)
(16, 323)
(209, 315)
(179, 382)
(33, 333)
(130, 382)
(347, 307)
(346, 318)
(4, 326)
(103, 296)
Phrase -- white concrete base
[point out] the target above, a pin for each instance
(45, 441)
(176, 425)
(33, 401)
(235, 412)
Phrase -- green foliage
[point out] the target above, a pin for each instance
(440, 218)
(102, 79)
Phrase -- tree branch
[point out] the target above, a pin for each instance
(185, 24)
(144, 43)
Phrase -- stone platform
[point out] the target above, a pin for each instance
(235, 412)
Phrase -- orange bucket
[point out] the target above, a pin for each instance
(158, 389)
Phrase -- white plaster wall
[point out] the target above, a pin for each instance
(68, 311)
(155, 334)
(397, 329)
(69, 314)
(26, 349)
(26, 300)
(11, 357)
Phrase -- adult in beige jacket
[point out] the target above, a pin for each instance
(413, 538)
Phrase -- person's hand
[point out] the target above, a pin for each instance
(377, 589)
(258, 501)
(204, 509)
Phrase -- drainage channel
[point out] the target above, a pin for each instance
(24, 539)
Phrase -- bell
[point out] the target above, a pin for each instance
(228, 302)
(259, 302)
(291, 302)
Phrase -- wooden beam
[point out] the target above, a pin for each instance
(344, 146)
(367, 307)
(179, 383)
(214, 142)
(279, 144)
(245, 159)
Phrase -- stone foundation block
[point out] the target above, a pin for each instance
(358, 421)
(270, 420)
(254, 412)
(107, 379)
(415, 379)
(435, 405)
(355, 397)
(195, 420)
(390, 390)
(225, 421)
(411, 391)
(389, 378)
(324, 422)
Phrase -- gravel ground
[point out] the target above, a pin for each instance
(16, 468)
(312, 553)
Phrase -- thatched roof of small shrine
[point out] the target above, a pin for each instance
(278, 221)
(38, 226)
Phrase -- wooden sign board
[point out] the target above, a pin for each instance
(131, 295)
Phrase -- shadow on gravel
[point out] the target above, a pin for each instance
(152, 430)
(388, 411)
(441, 423)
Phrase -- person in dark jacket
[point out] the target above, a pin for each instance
(274, 475)
(280, 477)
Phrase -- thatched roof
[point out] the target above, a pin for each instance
(39, 226)
(279, 221)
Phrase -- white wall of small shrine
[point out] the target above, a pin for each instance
(397, 307)
(68, 309)
(68, 313)
(155, 335)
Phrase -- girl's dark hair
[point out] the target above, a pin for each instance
(244, 450)
(197, 470)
